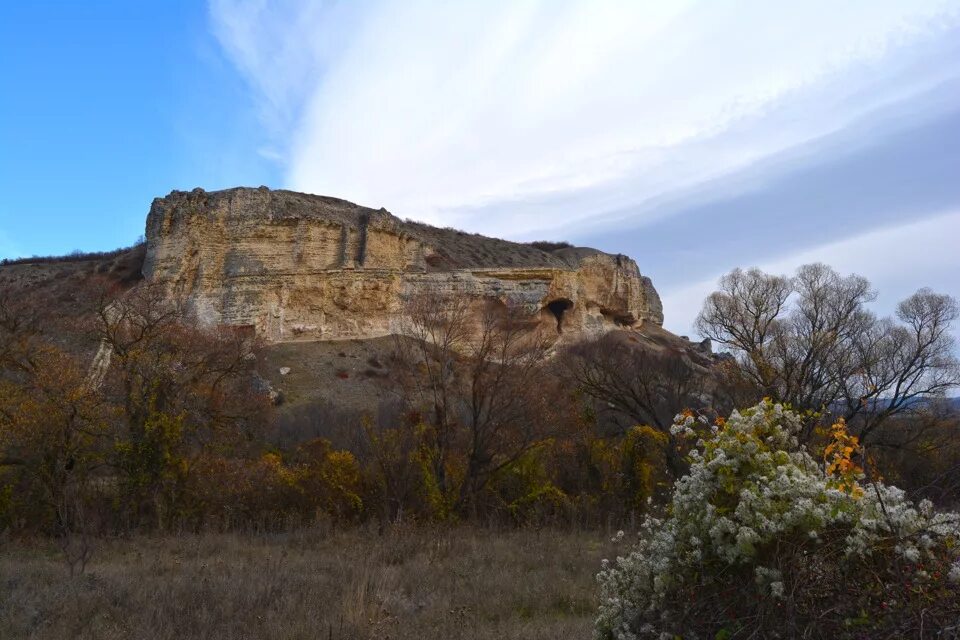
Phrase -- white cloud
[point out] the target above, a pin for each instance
(512, 118)
(283, 49)
(583, 118)
(898, 260)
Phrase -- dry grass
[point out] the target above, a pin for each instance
(407, 583)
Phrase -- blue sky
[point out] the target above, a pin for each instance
(106, 105)
(693, 135)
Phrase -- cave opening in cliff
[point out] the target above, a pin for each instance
(557, 308)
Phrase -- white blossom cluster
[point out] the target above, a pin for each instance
(749, 485)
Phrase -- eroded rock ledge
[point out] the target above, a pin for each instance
(301, 267)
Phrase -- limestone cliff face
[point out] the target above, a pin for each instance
(302, 267)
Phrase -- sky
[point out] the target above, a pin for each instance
(694, 136)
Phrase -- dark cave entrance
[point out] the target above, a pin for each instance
(557, 308)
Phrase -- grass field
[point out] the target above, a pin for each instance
(415, 583)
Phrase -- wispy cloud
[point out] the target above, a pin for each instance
(900, 257)
(633, 124)
(895, 168)
(439, 110)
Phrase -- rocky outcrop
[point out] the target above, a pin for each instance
(301, 267)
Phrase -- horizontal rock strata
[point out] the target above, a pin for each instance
(294, 266)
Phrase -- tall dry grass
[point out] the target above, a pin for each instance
(415, 583)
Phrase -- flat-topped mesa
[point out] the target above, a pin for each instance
(302, 267)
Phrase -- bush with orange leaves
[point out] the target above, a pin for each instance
(275, 491)
(838, 457)
(52, 430)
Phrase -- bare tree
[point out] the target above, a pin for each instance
(162, 361)
(21, 329)
(504, 371)
(810, 341)
(648, 386)
(179, 387)
(474, 374)
(392, 450)
(435, 337)
(52, 424)
(745, 316)
(815, 351)
(901, 365)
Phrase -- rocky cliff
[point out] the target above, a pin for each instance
(302, 267)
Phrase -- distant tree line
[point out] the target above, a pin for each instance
(74, 256)
(550, 245)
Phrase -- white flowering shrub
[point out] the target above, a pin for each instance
(762, 537)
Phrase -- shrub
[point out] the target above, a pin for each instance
(74, 256)
(549, 245)
(829, 554)
(269, 490)
(330, 477)
(230, 492)
(525, 490)
(644, 472)
(626, 473)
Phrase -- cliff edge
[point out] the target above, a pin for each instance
(294, 266)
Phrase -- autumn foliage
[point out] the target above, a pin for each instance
(146, 420)
(149, 421)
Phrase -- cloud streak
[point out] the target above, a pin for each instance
(897, 256)
(627, 124)
(435, 110)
